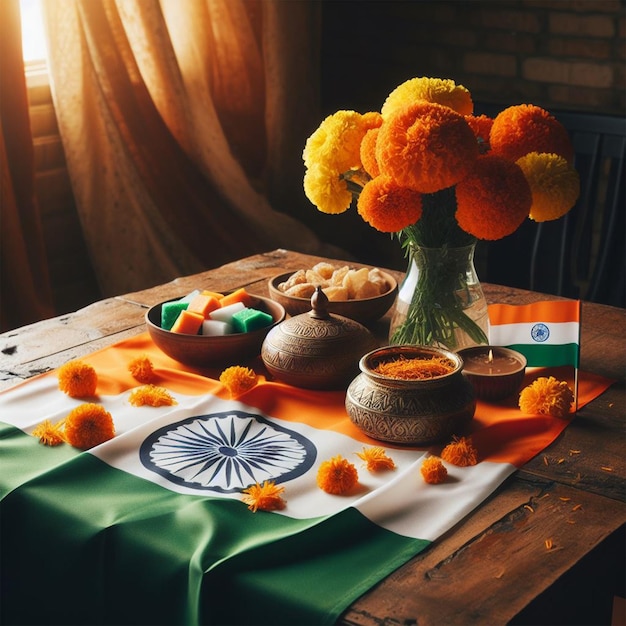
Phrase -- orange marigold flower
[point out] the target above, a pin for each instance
(88, 425)
(49, 434)
(388, 207)
(368, 152)
(266, 497)
(426, 147)
(460, 452)
(525, 128)
(546, 396)
(554, 185)
(439, 90)
(376, 459)
(326, 189)
(238, 379)
(494, 200)
(142, 369)
(151, 395)
(481, 126)
(78, 379)
(433, 470)
(337, 476)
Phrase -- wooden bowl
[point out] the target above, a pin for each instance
(207, 351)
(364, 310)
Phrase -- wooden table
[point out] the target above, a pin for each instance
(492, 568)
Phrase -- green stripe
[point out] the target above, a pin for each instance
(85, 543)
(539, 355)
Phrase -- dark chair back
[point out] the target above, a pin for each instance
(583, 254)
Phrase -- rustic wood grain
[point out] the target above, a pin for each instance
(494, 567)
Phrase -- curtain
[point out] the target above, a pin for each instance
(25, 291)
(183, 123)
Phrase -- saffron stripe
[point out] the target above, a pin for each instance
(545, 311)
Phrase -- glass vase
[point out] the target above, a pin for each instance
(440, 302)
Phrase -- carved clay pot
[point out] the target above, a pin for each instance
(316, 350)
(412, 412)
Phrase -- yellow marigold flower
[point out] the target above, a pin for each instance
(494, 200)
(238, 379)
(441, 91)
(337, 476)
(460, 452)
(337, 141)
(368, 152)
(554, 185)
(88, 425)
(326, 189)
(376, 459)
(78, 379)
(142, 369)
(388, 207)
(151, 395)
(266, 497)
(49, 434)
(426, 147)
(525, 128)
(546, 396)
(481, 125)
(433, 470)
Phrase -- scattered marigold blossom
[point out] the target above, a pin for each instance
(433, 470)
(546, 396)
(439, 90)
(337, 475)
(238, 379)
(494, 200)
(525, 128)
(376, 459)
(151, 395)
(554, 185)
(88, 425)
(388, 207)
(142, 369)
(265, 497)
(426, 147)
(49, 434)
(460, 452)
(77, 379)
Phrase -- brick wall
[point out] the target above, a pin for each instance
(559, 54)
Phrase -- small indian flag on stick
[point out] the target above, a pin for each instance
(547, 333)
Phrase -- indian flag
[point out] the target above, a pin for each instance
(547, 333)
(150, 526)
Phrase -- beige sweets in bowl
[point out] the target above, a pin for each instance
(363, 294)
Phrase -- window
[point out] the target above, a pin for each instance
(33, 42)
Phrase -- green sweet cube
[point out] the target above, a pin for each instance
(170, 312)
(247, 320)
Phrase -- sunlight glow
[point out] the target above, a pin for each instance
(33, 35)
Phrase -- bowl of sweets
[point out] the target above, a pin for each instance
(363, 294)
(205, 328)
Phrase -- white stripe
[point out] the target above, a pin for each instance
(398, 500)
(508, 334)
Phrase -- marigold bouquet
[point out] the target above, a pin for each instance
(433, 174)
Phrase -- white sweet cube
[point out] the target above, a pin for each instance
(215, 328)
(190, 296)
(225, 313)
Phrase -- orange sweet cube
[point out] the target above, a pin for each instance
(188, 322)
(204, 304)
(239, 295)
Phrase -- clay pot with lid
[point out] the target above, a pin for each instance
(318, 349)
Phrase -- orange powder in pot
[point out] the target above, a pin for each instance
(416, 368)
